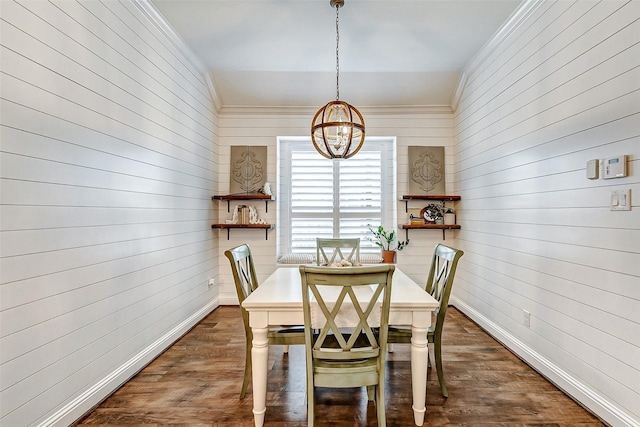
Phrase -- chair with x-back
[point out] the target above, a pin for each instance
(439, 284)
(346, 318)
(333, 251)
(246, 281)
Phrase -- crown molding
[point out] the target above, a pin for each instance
(310, 111)
(158, 20)
(457, 95)
(406, 110)
(516, 19)
(215, 98)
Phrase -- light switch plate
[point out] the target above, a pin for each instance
(620, 200)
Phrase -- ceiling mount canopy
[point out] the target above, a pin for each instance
(337, 129)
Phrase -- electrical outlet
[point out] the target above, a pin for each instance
(526, 318)
(212, 282)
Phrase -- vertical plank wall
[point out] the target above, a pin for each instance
(255, 126)
(109, 141)
(562, 88)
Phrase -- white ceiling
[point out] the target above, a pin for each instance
(282, 52)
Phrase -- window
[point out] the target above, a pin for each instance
(318, 197)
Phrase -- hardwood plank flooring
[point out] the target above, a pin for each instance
(197, 382)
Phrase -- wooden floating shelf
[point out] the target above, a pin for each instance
(429, 197)
(442, 227)
(405, 198)
(228, 227)
(429, 226)
(245, 196)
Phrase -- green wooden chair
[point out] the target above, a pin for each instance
(244, 276)
(439, 283)
(330, 251)
(339, 354)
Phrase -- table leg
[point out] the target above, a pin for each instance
(419, 360)
(259, 360)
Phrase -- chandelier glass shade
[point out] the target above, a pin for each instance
(337, 129)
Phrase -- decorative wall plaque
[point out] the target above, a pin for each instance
(426, 170)
(248, 169)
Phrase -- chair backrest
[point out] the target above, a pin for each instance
(329, 251)
(244, 275)
(348, 304)
(440, 279)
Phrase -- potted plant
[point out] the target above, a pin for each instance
(387, 241)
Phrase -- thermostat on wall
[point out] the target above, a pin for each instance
(614, 167)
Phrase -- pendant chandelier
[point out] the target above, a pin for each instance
(337, 129)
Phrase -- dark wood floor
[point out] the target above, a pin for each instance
(197, 383)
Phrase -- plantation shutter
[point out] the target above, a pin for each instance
(333, 198)
(319, 197)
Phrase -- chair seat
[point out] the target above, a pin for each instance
(406, 330)
(355, 373)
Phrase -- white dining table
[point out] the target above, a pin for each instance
(278, 301)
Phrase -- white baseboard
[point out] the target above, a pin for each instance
(574, 387)
(89, 398)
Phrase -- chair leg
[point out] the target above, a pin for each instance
(380, 405)
(311, 403)
(247, 370)
(371, 393)
(286, 348)
(437, 349)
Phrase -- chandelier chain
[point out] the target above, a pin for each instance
(337, 129)
(337, 53)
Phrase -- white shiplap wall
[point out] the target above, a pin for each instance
(109, 160)
(428, 127)
(561, 88)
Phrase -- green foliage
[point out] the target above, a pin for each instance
(386, 240)
(435, 211)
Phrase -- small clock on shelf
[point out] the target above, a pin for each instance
(433, 214)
